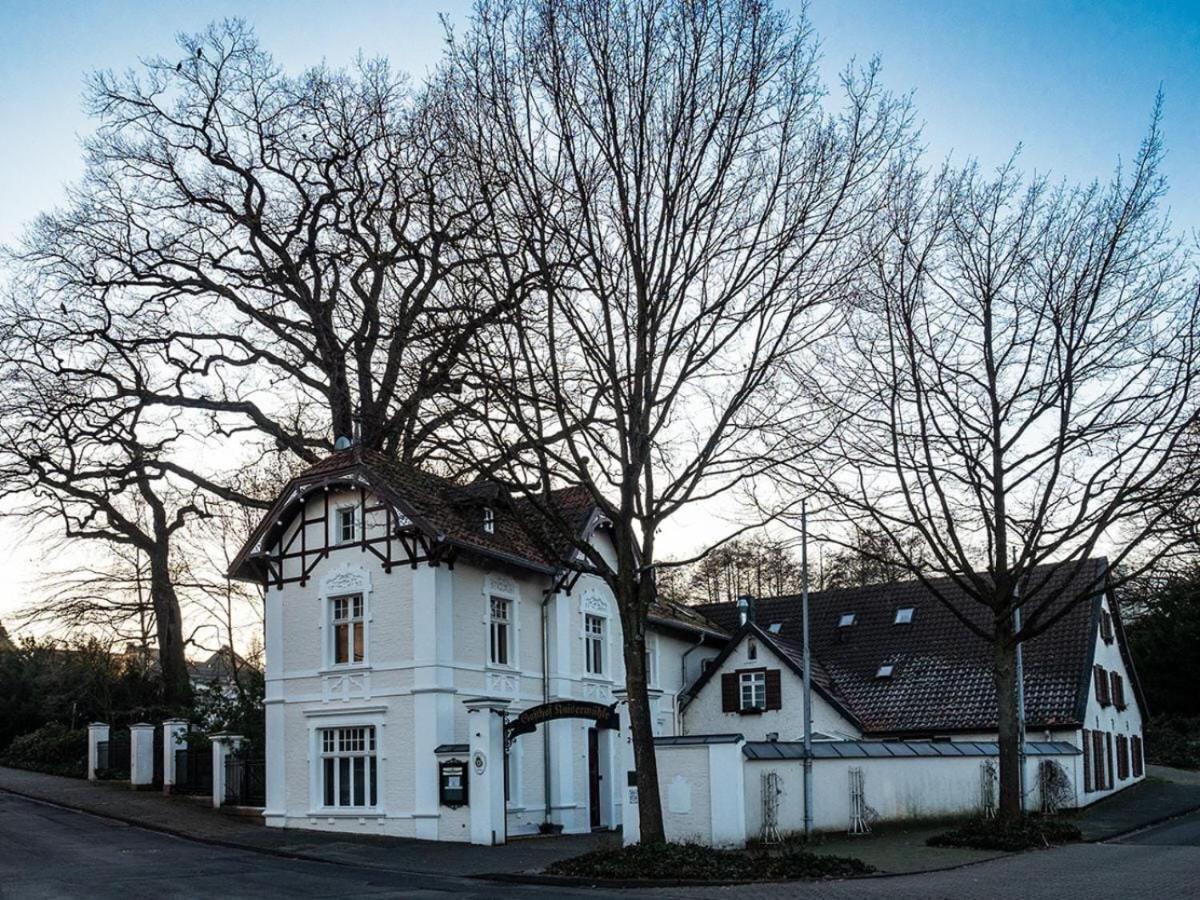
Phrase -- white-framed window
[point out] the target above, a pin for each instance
(512, 775)
(593, 644)
(347, 630)
(348, 776)
(753, 690)
(346, 523)
(904, 615)
(651, 661)
(489, 520)
(500, 618)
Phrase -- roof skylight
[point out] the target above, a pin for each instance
(846, 620)
(885, 671)
(904, 615)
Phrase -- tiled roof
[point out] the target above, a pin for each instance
(942, 680)
(449, 511)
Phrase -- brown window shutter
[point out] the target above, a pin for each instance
(1137, 756)
(1098, 760)
(1087, 761)
(1108, 749)
(774, 690)
(729, 692)
(1115, 683)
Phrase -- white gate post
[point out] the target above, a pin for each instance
(97, 732)
(174, 738)
(141, 754)
(485, 724)
(223, 743)
(626, 768)
(727, 793)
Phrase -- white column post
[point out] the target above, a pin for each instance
(223, 743)
(631, 825)
(275, 813)
(141, 755)
(433, 689)
(485, 724)
(727, 794)
(174, 738)
(97, 732)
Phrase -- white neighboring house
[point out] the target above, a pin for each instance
(392, 596)
(892, 663)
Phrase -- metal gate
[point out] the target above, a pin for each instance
(112, 756)
(246, 778)
(193, 770)
(158, 757)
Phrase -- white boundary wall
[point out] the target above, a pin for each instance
(702, 783)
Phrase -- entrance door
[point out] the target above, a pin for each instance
(594, 776)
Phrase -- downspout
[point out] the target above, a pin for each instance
(546, 699)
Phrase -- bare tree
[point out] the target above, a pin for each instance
(676, 207)
(1013, 388)
(72, 454)
(286, 248)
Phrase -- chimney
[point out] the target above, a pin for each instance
(745, 606)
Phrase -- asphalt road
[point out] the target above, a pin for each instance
(49, 852)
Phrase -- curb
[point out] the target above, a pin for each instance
(1144, 826)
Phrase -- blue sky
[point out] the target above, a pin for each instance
(1071, 81)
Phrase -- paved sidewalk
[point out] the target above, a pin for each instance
(1164, 794)
(192, 819)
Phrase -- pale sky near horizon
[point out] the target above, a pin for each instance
(1073, 82)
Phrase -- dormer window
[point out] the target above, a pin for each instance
(347, 524)
(904, 615)
(846, 620)
(489, 520)
(885, 671)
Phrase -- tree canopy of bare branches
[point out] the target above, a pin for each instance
(677, 206)
(1016, 380)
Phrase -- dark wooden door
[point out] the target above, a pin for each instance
(594, 776)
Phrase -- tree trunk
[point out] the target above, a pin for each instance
(1004, 656)
(640, 726)
(177, 689)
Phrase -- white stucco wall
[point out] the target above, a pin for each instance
(427, 643)
(704, 715)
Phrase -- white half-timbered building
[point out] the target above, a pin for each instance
(433, 672)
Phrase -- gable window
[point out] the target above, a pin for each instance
(348, 623)
(753, 690)
(846, 620)
(348, 773)
(489, 520)
(904, 615)
(885, 671)
(501, 631)
(1106, 626)
(751, 650)
(593, 644)
(347, 524)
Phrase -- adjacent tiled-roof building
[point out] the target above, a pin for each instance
(941, 676)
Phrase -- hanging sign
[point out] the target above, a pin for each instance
(530, 719)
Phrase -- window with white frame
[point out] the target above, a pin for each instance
(348, 773)
(593, 644)
(489, 520)
(651, 662)
(347, 524)
(501, 631)
(754, 690)
(347, 627)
